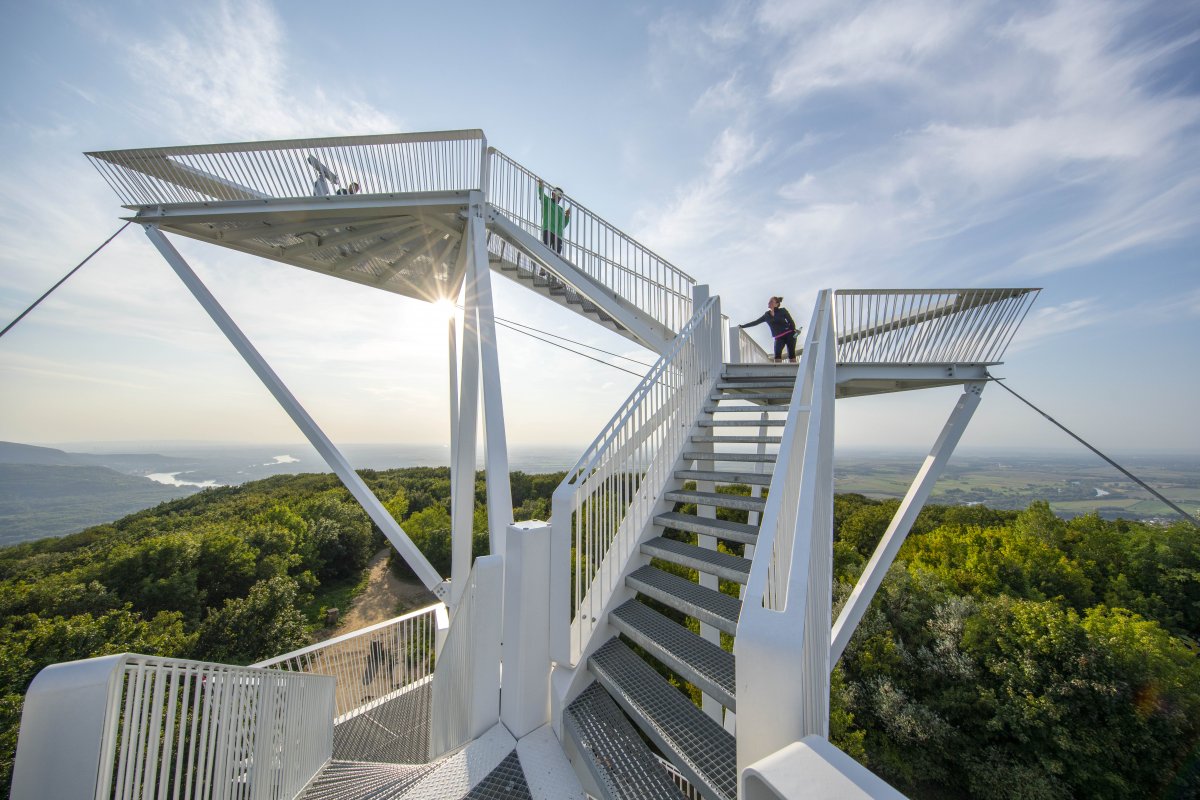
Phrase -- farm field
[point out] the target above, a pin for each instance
(1072, 485)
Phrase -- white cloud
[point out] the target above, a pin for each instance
(706, 208)
(225, 73)
(1047, 322)
(885, 42)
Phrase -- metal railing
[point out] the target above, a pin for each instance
(594, 246)
(607, 499)
(173, 728)
(928, 326)
(745, 349)
(783, 634)
(382, 164)
(374, 664)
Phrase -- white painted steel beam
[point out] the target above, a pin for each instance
(479, 284)
(352, 207)
(902, 522)
(333, 457)
(462, 459)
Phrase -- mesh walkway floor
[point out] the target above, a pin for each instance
(396, 731)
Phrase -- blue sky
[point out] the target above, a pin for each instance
(762, 147)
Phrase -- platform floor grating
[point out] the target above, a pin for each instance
(701, 662)
(395, 732)
(351, 780)
(505, 782)
(621, 761)
(700, 748)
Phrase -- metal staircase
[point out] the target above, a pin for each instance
(511, 262)
(633, 671)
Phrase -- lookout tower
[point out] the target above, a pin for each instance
(540, 672)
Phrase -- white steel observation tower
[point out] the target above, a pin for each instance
(521, 681)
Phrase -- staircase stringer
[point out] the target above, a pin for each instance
(646, 330)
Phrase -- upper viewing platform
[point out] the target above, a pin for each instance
(391, 212)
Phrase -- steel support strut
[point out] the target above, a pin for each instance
(333, 457)
(902, 522)
(479, 288)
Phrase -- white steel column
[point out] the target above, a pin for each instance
(460, 558)
(333, 457)
(479, 282)
(462, 463)
(902, 522)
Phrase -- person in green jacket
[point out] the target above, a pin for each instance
(555, 218)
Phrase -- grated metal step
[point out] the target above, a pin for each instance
(707, 605)
(722, 529)
(617, 758)
(705, 455)
(751, 396)
(701, 662)
(736, 438)
(751, 478)
(780, 383)
(743, 409)
(713, 562)
(741, 423)
(699, 748)
(718, 499)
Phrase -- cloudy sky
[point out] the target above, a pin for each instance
(776, 147)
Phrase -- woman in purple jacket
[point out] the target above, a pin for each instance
(783, 328)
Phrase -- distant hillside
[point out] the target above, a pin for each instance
(53, 499)
(14, 453)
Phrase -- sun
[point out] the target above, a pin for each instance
(444, 307)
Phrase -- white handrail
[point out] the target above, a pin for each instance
(373, 664)
(928, 326)
(384, 164)
(132, 726)
(783, 634)
(607, 499)
(594, 246)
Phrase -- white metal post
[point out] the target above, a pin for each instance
(333, 457)
(902, 522)
(499, 488)
(462, 465)
(525, 695)
(459, 566)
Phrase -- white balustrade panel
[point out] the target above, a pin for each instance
(382, 164)
(173, 728)
(928, 326)
(378, 661)
(607, 499)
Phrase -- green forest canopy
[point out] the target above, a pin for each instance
(1008, 654)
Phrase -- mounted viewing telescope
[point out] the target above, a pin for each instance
(323, 171)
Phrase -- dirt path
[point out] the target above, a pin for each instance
(386, 596)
